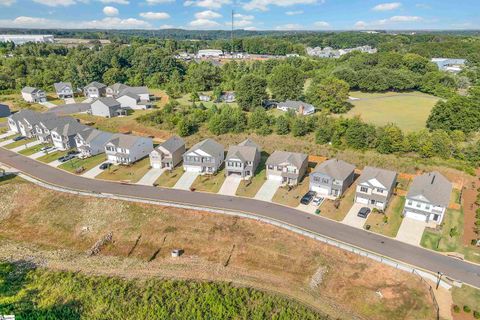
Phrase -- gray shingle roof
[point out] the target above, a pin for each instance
(385, 177)
(295, 105)
(96, 84)
(117, 87)
(70, 128)
(60, 85)
(123, 140)
(30, 90)
(279, 157)
(245, 151)
(92, 134)
(173, 144)
(108, 101)
(433, 186)
(208, 145)
(337, 169)
(134, 90)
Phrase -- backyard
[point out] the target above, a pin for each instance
(407, 110)
(131, 173)
(388, 223)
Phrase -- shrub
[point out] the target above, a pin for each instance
(476, 314)
(456, 309)
(367, 227)
(385, 219)
(473, 242)
(467, 309)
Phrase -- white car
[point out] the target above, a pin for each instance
(318, 201)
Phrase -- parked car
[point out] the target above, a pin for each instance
(363, 212)
(19, 138)
(307, 198)
(73, 152)
(105, 166)
(47, 149)
(67, 157)
(318, 201)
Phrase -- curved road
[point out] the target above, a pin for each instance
(419, 257)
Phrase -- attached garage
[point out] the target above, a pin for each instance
(192, 169)
(362, 200)
(416, 216)
(274, 177)
(321, 190)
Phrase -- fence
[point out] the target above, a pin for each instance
(432, 294)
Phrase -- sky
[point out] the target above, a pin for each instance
(249, 14)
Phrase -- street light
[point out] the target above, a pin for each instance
(439, 278)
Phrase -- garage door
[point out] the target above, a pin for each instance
(416, 216)
(362, 200)
(156, 165)
(192, 168)
(320, 190)
(274, 177)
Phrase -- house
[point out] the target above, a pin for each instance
(227, 97)
(91, 142)
(106, 107)
(130, 100)
(4, 111)
(168, 154)
(375, 187)
(115, 89)
(14, 119)
(95, 90)
(64, 90)
(428, 197)
(332, 177)
(33, 95)
(209, 53)
(299, 107)
(127, 149)
(24, 122)
(242, 160)
(141, 92)
(63, 136)
(287, 167)
(43, 127)
(449, 65)
(205, 157)
(19, 39)
(204, 98)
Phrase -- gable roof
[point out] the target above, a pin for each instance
(249, 143)
(124, 140)
(31, 116)
(173, 143)
(55, 122)
(295, 105)
(70, 128)
(126, 93)
(60, 85)
(245, 151)
(92, 134)
(433, 186)
(278, 157)
(337, 169)
(210, 146)
(386, 177)
(96, 84)
(133, 90)
(30, 90)
(117, 87)
(108, 101)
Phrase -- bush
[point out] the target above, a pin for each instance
(476, 314)
(367, 227)
(385, 219)
(456, 309)
(473, 242)
(467, 309)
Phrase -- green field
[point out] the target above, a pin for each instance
(407, 110)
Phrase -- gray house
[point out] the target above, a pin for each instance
(332, 177)
(299, 107)
(126, 149)
(168, 154)
(24, 121)
(115, 89)
(33, 95)
(63, 136)
(44, 127)
(287, 167)
(64, 90)
(91, 142)
(375, 187)
(242, 160)
(106, 107)
(205, 157)
(428, 197)
(4, 111)
(95, 90)
(133, 101)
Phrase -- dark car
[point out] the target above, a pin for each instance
(19, 138)
(363, 212)
(73, 152)
(105, 165)
(308, 197)
(66, 158)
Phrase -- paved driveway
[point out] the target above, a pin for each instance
(186, 180)
(151, 176)
(352, 219)
(37, 155)
(26, 146)
(56, 163)
(95, 171)
(268, 189)
(48, 104)
(230, 186)
(6, 134)
(4, 143)
(411, 231)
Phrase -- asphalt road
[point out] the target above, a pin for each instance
(422, 258)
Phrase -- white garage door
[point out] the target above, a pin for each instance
(416, 216)
(362, 200)
(274, 177)
(156, 165)
(320, 190)
(192, 168)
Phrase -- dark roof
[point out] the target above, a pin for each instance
(295, 105)
(433, 186)
(337, 169)
(386, 177)
(278, 157)
(173, 144)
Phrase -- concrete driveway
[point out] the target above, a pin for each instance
(6, 142)
(352, 219)
(26, 146)
(230, 185)
(69, 101)
(411, 231)
(37, 155)
(268, 189)
(186, 180)
(95, 171)
(48, 104)
(6, 134)
(56, 163)
(151, 176)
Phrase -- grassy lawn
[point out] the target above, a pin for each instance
(292, 197)
(52, 156)
(169, 178)
(209, 183)
(449, 237)
(9, 137)
(132, 173)
(185, 101)
(250, 188)
(19, 143)
(466, 296)
(2, 120)
(328, 210)
(16, 102)
(33, 150)
(394, 216)
(86, 164)
(407, 110)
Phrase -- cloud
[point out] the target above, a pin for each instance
(209, 4)
(294, 13)
(106, 23)
(166, 26)
(154, 15)
(56, 3)
(110, 11)
(204, 24)
(115, 1)
(7, 3)
(263, 5)
(387, 6)
(321, 24)
(387, 22)
(290, 26)
(243, 16)
(208, 14)
(154, 2)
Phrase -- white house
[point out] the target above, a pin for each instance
(375, 187)
(132, 101)
(92, 142)
(209, 53)
(127, 149)
(106, 107)
(64, 90)
(33, 95)
(63, 136)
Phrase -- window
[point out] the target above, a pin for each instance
(364, 189)
(325, 180)
(435, 217)
(410, 202)
(270, 167)
(379, 190)
(419, 204)
(427, 207)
